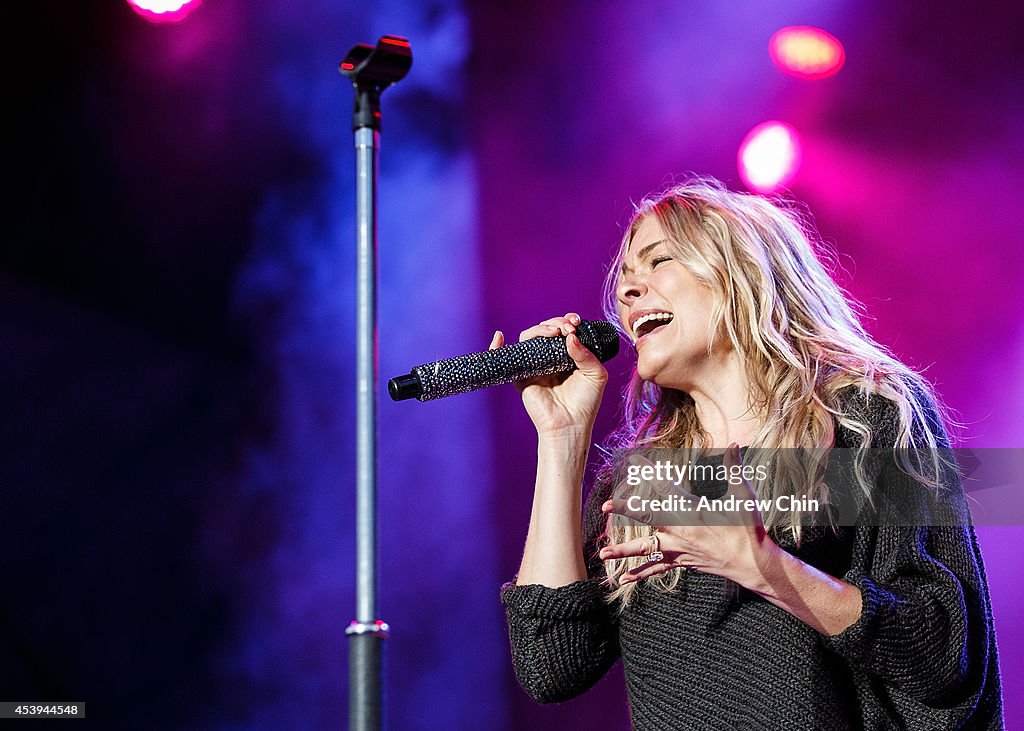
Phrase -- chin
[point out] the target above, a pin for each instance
(649, 371)
(658, 372)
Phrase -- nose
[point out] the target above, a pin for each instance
(630, 289)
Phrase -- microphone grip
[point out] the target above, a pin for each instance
(510, 363)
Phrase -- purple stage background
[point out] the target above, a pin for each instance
(177, 279)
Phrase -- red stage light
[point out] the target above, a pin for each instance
(769, 156)
(811, 53)
(164, 11)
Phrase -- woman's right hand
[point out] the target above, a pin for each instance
(564, 404)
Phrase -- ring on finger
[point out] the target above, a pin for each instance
(655, 555)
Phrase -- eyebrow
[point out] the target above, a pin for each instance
(641, 255)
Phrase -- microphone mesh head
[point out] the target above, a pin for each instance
(599, 337)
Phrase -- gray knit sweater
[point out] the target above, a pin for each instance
(922, 655)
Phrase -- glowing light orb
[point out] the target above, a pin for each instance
(807, 52)
(769, 156)
(164, 11)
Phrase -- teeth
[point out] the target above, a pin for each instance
(647, 318)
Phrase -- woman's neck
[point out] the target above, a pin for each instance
(722, 400)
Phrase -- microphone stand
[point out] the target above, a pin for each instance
(371, 69)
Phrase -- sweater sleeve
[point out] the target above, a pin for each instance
(564, 639)
(925, 636)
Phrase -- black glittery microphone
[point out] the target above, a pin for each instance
(517, 362)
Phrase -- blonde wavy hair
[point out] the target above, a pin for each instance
(798, 335)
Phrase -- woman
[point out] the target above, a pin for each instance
(742, 338)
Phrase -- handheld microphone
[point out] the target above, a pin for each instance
(510, 363)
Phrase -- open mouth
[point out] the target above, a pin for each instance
(651, 322)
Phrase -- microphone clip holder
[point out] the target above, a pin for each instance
(372, 69)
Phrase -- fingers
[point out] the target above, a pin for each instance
(581, 356)
(733, 461)
(621, 507)
(636, 547)
(732, 455)
(639, 547)
(586, 362)
(649, 569)
(742, 489)
(497, 341)
(552, 327)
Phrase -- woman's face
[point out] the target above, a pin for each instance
(666, 310)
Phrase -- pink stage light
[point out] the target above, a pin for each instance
(769, 156)
(807, 52)
(164, 11)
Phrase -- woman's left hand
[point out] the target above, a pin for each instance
(731, 544)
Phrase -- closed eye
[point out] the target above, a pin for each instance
(660, 260)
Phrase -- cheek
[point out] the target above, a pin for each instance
(698, 298)
(623, 321)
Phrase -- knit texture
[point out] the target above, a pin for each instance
(922, 655)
